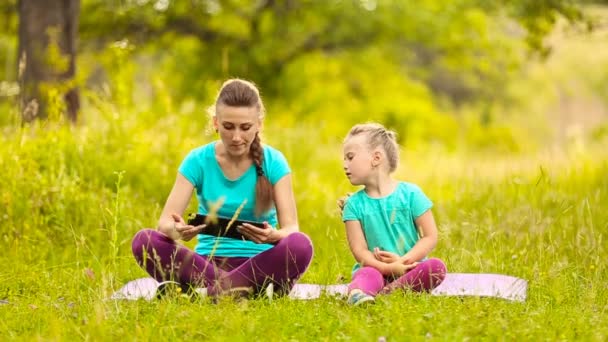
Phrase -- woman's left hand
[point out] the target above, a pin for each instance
(259, 235)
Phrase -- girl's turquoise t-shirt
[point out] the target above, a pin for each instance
(201, 168)
(388, 222)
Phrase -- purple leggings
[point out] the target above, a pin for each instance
(281, 265)
(423, 278)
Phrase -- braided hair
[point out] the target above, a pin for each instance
(378, 135)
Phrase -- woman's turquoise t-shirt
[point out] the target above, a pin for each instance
(201, 168)
(388, 222)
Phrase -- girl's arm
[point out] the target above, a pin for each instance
(171, 222)
(428, 228)
(358, 246)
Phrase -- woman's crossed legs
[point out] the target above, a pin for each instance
(282, 265)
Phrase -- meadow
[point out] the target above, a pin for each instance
(523, 194)
(73, 196)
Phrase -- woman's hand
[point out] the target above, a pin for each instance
(385, 256)
(342, 201)
(259, 235)
(185, 231)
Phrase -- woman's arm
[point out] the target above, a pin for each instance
(424, 246)
(285, 204)
(171, 222)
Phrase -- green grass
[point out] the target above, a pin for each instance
(71, 198)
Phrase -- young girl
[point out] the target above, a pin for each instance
(389, 223)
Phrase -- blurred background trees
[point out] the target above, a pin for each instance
(439, 72)
(47, 57)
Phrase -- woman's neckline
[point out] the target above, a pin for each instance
(219, 166)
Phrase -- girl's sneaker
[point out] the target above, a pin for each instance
(358, 297)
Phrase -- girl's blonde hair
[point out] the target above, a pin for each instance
(379, 136)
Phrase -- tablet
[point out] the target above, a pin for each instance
(222, 226)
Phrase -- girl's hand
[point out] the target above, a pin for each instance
(385, 256)
(259, 235)
(407, 259)
(397, 268)
(400, 269)
(185, 231)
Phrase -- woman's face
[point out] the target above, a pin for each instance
(237, 127)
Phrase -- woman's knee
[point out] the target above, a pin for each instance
(142, 240)
(300, 244)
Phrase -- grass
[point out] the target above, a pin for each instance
(71, 198)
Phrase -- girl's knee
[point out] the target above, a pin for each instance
(368, 279)
(368, 272)
(438, 265)
(437, 268)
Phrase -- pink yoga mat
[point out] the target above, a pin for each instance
(455, 284)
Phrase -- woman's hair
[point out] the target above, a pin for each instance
(378, 135)
(241, 93)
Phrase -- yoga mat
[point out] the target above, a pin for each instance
(454, 284)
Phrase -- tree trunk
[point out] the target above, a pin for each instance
(47, 57)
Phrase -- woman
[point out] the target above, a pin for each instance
(234, 177)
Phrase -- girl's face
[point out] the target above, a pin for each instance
(237, 127)
(358, 159)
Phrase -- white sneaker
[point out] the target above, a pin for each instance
(270, 291)
(200, 291)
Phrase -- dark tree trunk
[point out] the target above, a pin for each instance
(48, 32)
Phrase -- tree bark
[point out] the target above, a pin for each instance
(48, 32)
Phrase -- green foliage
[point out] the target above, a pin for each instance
(459, 48)
(539, 18)
(447, 76)
(9, 88)
(118, 60)
(439, 73)
(8, 45)
(72, 197)
(9, 17)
